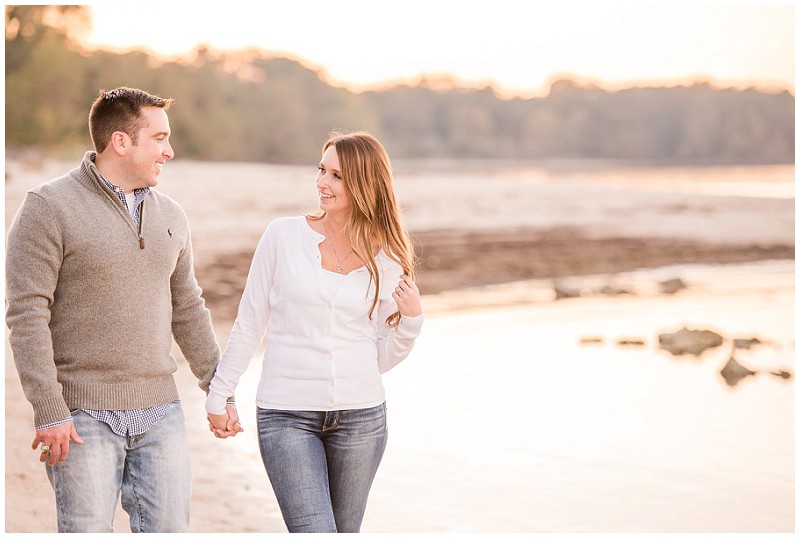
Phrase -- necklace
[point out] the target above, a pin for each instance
(340, 261)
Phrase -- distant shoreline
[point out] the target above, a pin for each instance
(477, 224)
(68, 157)
(457, 259)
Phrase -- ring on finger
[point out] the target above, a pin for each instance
(45, 449)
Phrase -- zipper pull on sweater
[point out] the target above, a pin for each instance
(141, 217)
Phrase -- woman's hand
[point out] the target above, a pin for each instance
(225, 425)
(406, 295)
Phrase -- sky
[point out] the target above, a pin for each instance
(518, 46)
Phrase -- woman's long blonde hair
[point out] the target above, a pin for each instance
(375, 221)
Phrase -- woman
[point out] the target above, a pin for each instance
(335, 295)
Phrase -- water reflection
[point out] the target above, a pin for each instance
(503, 420)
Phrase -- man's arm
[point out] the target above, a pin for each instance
(191, 320)
(33, 260)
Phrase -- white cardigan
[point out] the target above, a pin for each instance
(323, 353)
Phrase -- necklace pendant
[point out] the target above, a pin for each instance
(339, 268)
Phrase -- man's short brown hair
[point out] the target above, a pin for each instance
(120, 110)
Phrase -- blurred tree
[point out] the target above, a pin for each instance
(29, 26)
(45, 75)
(245, 105)
(43, 97)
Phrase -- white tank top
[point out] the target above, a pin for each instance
(332, 281)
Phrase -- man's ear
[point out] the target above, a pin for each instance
(120, 142)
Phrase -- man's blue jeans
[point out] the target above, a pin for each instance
(151, 471)
(321, 464)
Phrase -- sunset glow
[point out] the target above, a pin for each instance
(517, 47)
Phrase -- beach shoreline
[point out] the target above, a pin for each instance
(458, 259)
(231, 491)
(506, 247)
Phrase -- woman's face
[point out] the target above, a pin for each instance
(332, 195)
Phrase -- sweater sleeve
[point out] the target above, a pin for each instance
(191, 320)
(248, 329)
(34, 253)
(394, 343)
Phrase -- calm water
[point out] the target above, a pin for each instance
(501, 420)
(229, 204)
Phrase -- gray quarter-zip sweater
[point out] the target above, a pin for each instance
(91, 314)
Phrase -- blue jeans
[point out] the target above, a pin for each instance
(321, 464)
(151, 471)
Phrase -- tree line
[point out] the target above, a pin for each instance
(247, 106)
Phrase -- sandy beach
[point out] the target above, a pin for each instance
(493, 244)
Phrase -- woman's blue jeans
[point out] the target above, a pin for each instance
(321, 464)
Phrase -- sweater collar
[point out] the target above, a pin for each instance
(89, 175)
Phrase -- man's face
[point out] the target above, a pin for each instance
(145, 158)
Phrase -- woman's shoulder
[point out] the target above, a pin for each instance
(281, 232)
(291, 229)
(288, 221)
(284, 224)
(387, 263)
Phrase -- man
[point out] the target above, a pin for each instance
(99, 278)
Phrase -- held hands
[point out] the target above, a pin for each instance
(406, 295)
(55, 442)
(225, 425)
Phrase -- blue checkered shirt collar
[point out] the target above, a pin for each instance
(139, 195)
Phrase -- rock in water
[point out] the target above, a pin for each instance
(745, 343)
(733, 372)
(630, 342)
(672, 285)
(687, 341)
(565, 292)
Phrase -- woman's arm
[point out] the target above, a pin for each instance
(395, 343)
(248, 329)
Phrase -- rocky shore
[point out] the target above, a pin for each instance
(452, 259)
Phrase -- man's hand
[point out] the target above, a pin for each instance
(56, 439)
(226, 425)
